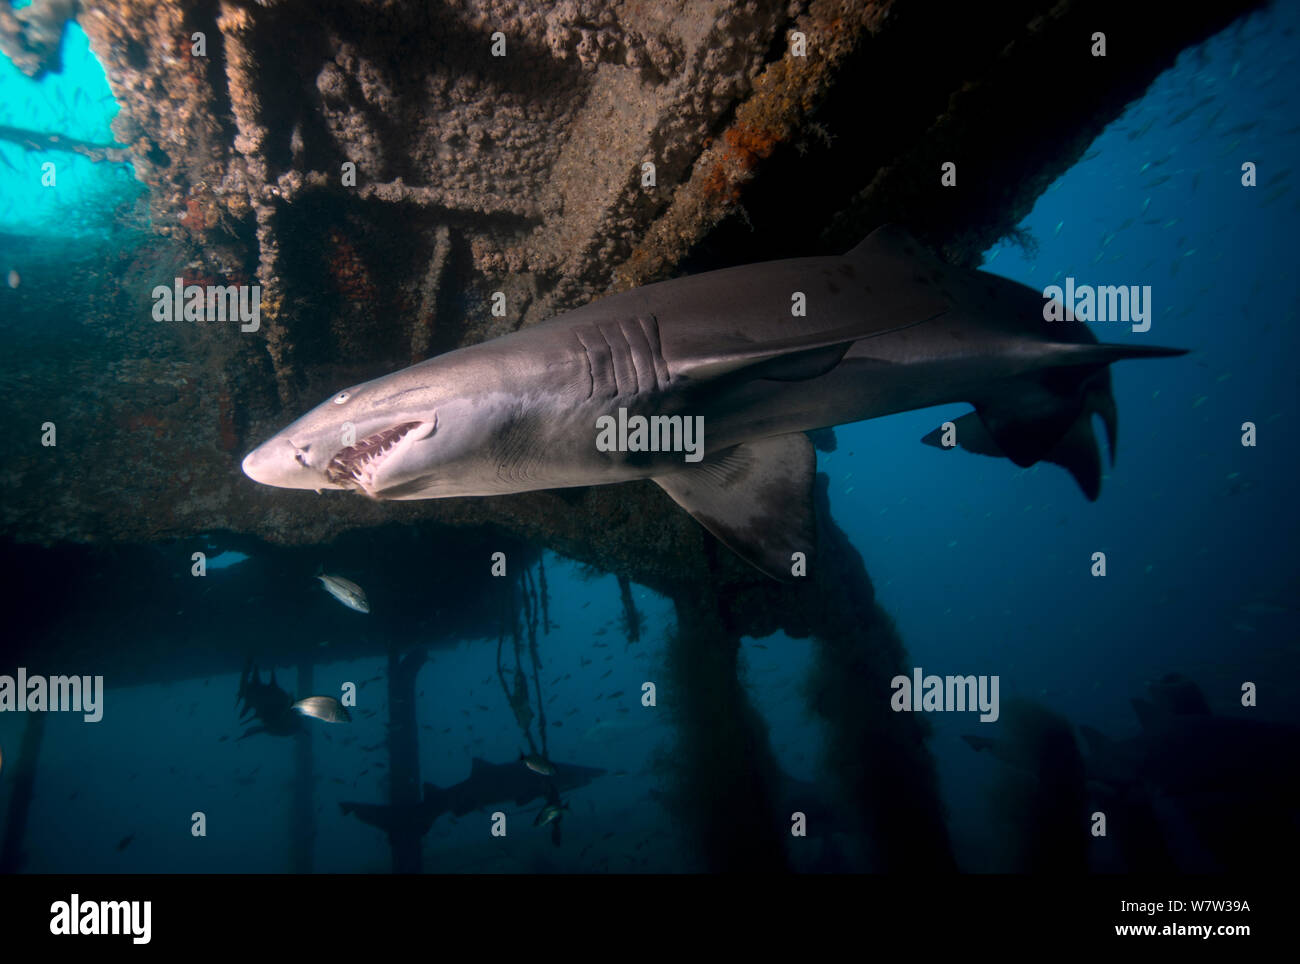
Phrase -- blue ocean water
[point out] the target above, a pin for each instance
(985, 567)
(84, 197)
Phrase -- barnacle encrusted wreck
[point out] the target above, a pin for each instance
(381, 169)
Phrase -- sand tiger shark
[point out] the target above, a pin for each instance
(886, 328)
(487, 784)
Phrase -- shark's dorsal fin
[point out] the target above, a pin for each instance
(757, 498)
(888, 283)
(891, 240)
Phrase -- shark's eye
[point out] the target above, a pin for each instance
(341, 397)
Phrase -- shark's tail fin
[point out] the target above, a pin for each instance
(1046, 415)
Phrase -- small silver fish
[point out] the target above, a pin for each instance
(549, 814)
(325, 708)
(14, 279)
(537, 764)
(345, 591)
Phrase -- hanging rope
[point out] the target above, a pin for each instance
(528, 605)
(632, 619)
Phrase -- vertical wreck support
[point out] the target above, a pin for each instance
(302, 834)
(11, 852)
(403, 757)
(879, 757)
(726, 776)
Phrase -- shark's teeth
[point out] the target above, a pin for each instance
(355, 464)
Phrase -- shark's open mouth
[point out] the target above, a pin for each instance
(354, 466)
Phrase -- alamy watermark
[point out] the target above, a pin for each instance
(97, 917)
(951, 694)
(1123, 303)
(182, 302)
(54, 694)
(654, 433)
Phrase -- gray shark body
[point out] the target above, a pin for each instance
(488, 784)
(886, 328)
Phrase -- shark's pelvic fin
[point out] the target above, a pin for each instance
(1047, 416)
(757, 498)
(1076, 451)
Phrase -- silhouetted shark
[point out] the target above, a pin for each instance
(1183, 748)
(488, 784)
(1040, 795)
(271, 706)
(1193, 790)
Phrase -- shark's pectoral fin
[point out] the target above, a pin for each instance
(757, 498)
(803, 365)
(786, 360)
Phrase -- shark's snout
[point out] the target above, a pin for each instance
(275, 462)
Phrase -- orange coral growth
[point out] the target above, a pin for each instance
(193, 219)
(749, 145)
(745, 147)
